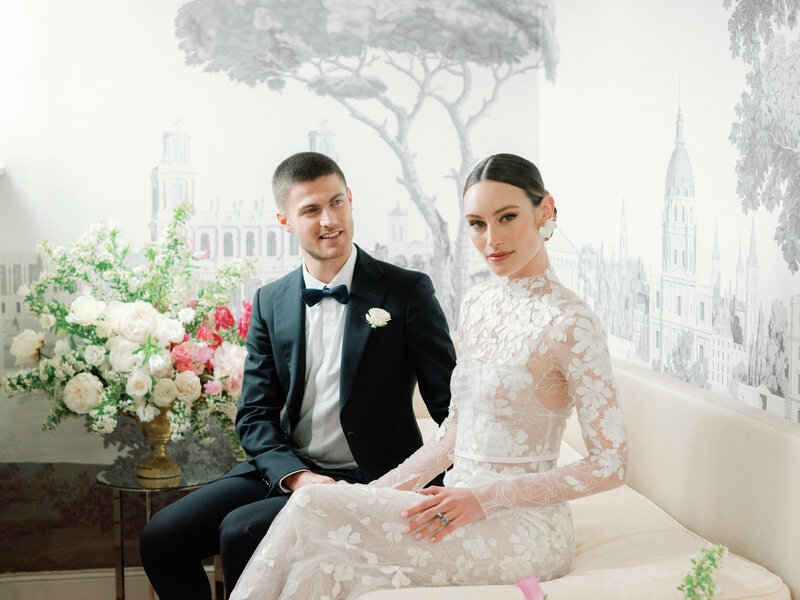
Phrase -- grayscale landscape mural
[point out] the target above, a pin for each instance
(669, 136)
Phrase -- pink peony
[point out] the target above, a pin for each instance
(203, 352)
(223, 319)
(213, 387)
(244, 320)
(530, 588)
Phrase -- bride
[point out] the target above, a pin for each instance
(530, 351)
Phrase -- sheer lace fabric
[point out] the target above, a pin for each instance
(530, 351)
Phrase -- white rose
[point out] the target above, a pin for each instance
(133, 285)
(228, 358)
(139, 383)
(377, 317)
(121, 354)
(137, 320)
(186, 315)
(188, 387)
(85, 310)
(94, 355)
(164, 392)
(23, 290)
(168, 331)
(82, 393)
(111, 316)
(147, 412)
(25, 346)
(160, 365)
(47, 321)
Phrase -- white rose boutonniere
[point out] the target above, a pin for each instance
(377, 317)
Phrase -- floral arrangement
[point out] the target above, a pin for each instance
(137, 339)
(700, 582)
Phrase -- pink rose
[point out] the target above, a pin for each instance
(202, 254)
(244, 320)
(184, 365)
(203, 352)
(233, 384)
(204, 333)
(223, 319)
(181, 353)
(213, 387)
(192, 303)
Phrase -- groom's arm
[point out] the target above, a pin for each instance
(258, 413)
(430, 347)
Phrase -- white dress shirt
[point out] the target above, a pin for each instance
(318, 435)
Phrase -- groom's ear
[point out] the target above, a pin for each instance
(287, 227)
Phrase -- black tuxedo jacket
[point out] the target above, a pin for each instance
(379, 370)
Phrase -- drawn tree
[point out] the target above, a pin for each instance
(383, 61)
(775, 374)
(680, 364)
(767, 134)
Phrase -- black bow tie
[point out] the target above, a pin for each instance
(312, 296)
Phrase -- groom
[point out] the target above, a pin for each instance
(326, 393)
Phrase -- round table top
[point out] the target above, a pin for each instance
(122, 476)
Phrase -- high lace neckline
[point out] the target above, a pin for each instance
(536, 283)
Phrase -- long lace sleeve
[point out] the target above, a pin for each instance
(426, 463)
(578, 358)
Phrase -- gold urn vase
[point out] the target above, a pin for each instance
(158, 469)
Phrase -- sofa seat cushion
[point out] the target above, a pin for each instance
(626, 548)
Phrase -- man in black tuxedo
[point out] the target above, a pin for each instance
(344, 384)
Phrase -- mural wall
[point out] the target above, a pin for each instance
(672, 156)
(678, 200)
(120, 113)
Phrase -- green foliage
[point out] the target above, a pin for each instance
(700, 582)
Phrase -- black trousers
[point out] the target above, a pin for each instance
(228, 517)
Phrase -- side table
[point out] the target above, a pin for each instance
(122, 478)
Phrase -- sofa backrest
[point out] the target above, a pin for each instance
(727, 471)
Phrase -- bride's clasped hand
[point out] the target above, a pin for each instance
(444, 510)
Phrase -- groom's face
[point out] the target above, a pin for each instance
(320, 214)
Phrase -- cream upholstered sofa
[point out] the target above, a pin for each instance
(703, 468)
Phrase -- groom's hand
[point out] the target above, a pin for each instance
(458, 506)
(300, 479)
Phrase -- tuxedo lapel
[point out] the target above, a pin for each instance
(290, 338)
(368, 290)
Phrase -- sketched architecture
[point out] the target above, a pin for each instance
(17, 269)
(228, 229)
(719, 323)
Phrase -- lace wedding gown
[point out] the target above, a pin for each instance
(530, 350)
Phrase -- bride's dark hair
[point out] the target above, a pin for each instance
(513, 170)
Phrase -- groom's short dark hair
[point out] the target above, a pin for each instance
(299, 168)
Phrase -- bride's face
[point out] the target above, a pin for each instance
(504, 227)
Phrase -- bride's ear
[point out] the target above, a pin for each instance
(547, 208)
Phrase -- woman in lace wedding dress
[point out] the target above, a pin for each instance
(530, 351)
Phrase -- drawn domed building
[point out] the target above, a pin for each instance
(678, 301)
